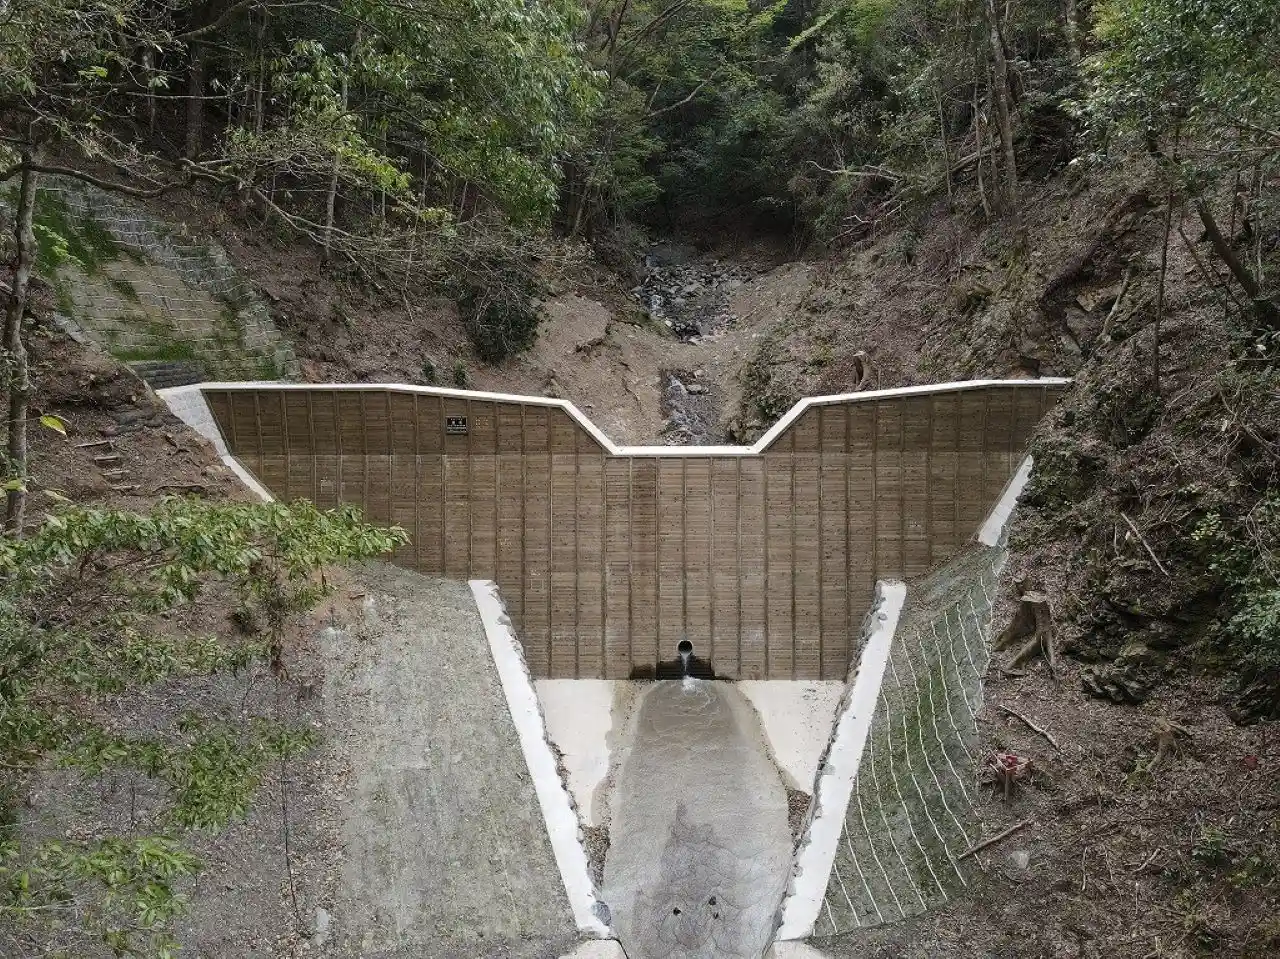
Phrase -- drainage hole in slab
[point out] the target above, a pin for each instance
(711, 901)
(675, 911)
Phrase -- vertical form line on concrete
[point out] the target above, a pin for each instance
(902, 498)
(284, 451)
(471, 532)
(577, 564)
(791, 474)
(927, 456)
(341, 458)
(737, 550)
(631, 539)
(875, 486)
(684, 550)
(846, 459)
(524, 521)
(657, 562)
(764, 551)
(391, 462)
(364, 453)
(551, 539)
(711, 561)
(604, 567)
(822, 580)
(957, 420)
(417, 483)
(257, 419)
(311, 425)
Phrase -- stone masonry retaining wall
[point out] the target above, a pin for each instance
(155, 295)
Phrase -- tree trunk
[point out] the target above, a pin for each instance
(1225, 253)
(980, 127)
(148, 72)
(259, 93)
(1004, 118)
(1071, 28)
(195, 102)
(1263, 308)
(946, 148)
(16, 352)
(331, 199)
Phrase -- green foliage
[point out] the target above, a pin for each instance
(1244, 554)
(819, 113)
(91, 612)
(134, 879)
(383, 131)
(63, 238)
(680, 122)
(488, 92)
(1210, 65)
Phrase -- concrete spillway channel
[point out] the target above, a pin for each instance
(700, 849)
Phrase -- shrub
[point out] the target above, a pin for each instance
(499, 314)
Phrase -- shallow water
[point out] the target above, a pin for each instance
(700, 849)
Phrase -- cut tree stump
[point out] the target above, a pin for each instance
(1034, 619)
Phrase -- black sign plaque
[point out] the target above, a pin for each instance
(455, 425)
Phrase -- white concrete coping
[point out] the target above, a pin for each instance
(993, 526)
(762, 444)
(557, 809)
(597, 949)
(188, 404)
(839, 767)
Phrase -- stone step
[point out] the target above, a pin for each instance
(161, 374)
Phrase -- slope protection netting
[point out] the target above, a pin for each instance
(910, 815)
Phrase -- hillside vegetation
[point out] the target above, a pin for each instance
(1050, 187)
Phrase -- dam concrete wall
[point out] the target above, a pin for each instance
(764, 557)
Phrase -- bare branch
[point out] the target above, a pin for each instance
(106, 184)
(217, 22)
(693, 93)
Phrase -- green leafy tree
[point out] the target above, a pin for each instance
(680, 121)
(1204, 74)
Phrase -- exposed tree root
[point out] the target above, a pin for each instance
(1168, 736)
(862, 364)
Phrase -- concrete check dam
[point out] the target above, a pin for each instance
(764, 558)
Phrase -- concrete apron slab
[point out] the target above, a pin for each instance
(700, 850)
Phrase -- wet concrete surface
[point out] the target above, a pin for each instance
(700, 848)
